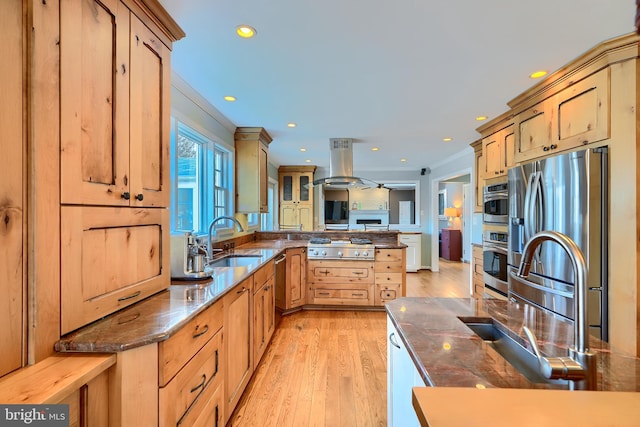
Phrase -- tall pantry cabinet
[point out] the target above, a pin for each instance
(114, 126)
(296, 196)
(85, 191)
(12, 188)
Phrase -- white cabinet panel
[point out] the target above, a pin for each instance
(414, 250)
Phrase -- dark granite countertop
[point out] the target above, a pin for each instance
(447, 353)
(156, 318)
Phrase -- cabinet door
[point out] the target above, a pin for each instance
(509, 140)
(263, 163)
(94, 102)
(303, 190)
(150, 85)
(296, 277)
(479, 181)
(533, 129)
(288, 214)
(264, 319)
(11, 187)
(238, 342)
(493, 148)
(286, 188)
(305, 216)
(111, 258)
(583, 111)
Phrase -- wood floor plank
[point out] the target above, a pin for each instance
(328, 368)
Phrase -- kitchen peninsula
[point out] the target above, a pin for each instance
(444, 352)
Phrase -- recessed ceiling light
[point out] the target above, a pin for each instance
(447, 139)
(246, 31)
(308, 160)
(481, 118)
(229, 98)
(538, 74)
(291, 125)
(403, 160)
(375, 149)
(303, 149)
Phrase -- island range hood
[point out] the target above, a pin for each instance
(341, 168)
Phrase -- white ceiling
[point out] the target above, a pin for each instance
(395, 74)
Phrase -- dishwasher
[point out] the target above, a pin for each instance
(281, 280)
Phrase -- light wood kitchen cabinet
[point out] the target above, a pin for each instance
(340, 282)
(296, 278)
(575, 116)
(296, 197)
(390, 275)
(477, 273)
(252, 179)
(238, 342)
(111, 258)
(12, 187)
(497, 150)
(195, 388)
(478, 174)
(114, 107)
(264, 310)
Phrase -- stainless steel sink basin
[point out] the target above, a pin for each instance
(235, 261)
(511, 350)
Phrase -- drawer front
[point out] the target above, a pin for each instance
(129, 246)
(342, 297)
(409, 239)
(388, 278)
(187, 394)
(389, 267)
(262, 275)
(212, 413)
(389, 255)
(340, 272)
(180, 348)
(387, 292)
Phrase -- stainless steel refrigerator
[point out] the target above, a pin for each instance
(567, 193)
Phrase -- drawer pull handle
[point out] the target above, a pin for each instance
(201, 333)
(242, 290)
(356, 295)
(392, 340)
(217, 415)
(201, 385)
(358, 272)
(215, 371)
(135, 294)
(324, 293)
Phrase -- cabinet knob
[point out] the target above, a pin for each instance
(545, 148)
(139, 197)
(553, 146)
(126, 195)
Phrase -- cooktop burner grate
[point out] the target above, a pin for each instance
(320, 241)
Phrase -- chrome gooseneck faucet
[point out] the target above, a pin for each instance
(213, 233)
(581, 363)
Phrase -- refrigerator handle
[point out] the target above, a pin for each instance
(538, 222)
(527, 209)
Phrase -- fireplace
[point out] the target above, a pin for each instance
(373, 216)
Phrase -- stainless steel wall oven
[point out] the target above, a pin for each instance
(494, 264)
(495, 204)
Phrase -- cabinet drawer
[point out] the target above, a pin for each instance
(340, 272)
(388, 278)
(186, 395)
(262, 275)
(177, 350)
(327, 296)
(111, 258)
(387, 292)
(388, 267)
(212, 413)
(389, 255)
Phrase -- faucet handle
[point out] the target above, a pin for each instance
(555, 368)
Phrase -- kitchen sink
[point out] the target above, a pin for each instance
(235, 260)
(510, 349)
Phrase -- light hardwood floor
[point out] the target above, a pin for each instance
(329, 368)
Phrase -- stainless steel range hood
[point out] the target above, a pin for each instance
(341, 168)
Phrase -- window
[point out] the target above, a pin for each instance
(201, 180)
